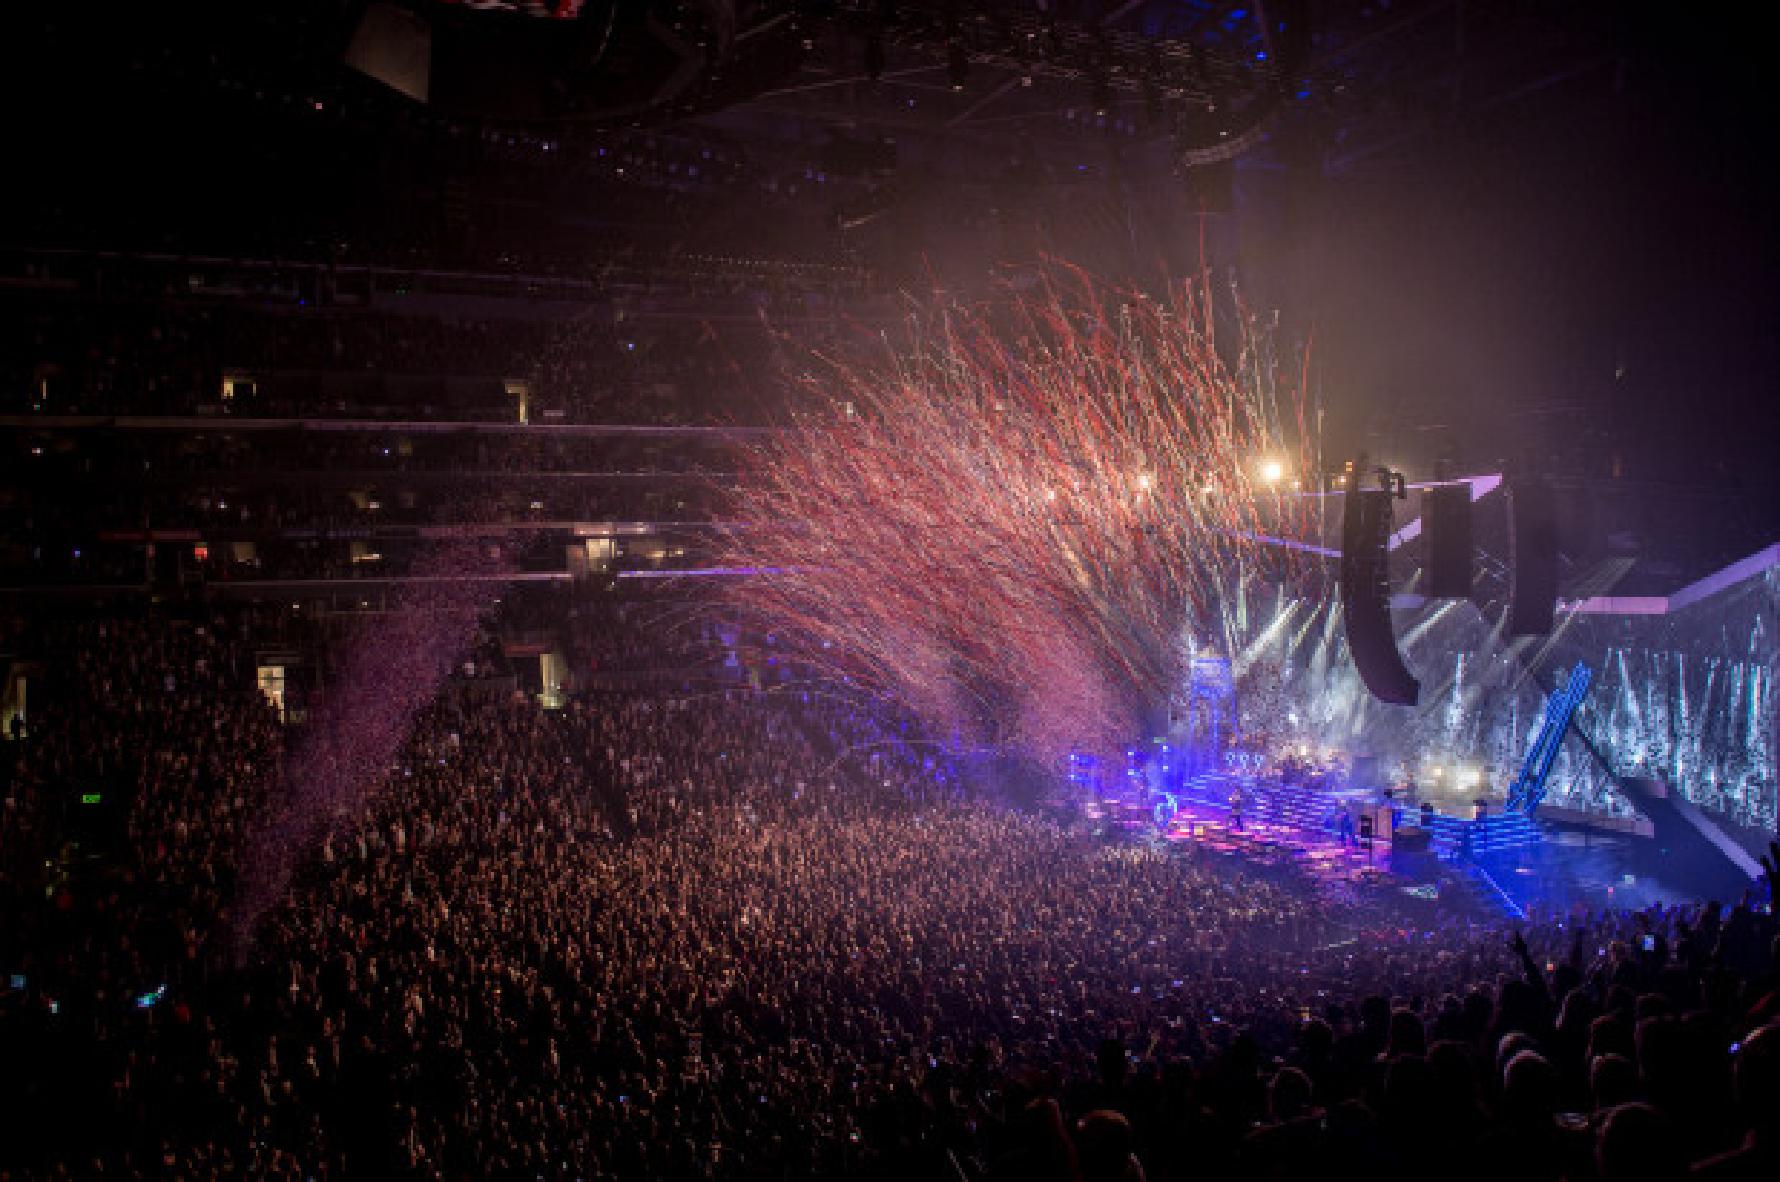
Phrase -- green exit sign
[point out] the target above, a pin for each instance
(90, 798)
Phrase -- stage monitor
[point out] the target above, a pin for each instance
(1378, 818)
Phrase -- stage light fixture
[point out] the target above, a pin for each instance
(1272, 471)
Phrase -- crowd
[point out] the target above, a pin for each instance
(678, 931)
(291, 504)
(162, 356)
(373, 450)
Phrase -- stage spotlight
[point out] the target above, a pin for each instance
(1272, 471)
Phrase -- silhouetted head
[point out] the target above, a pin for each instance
(1529, 1087)
(1288, 1095)
(1612, 1081)
(1407, 1036)
(1636, 1143)
(1103, 1144)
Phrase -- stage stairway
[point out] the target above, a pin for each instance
(1280, 804)
(1455, 837)
(1309, 809)
(1528, 789)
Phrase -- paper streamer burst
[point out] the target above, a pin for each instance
(390, 672)
(1010, 525)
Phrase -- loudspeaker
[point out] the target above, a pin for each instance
(394, 46)
(1446, 524)
(1366, 594)
(1412, 840)
(1532, 558)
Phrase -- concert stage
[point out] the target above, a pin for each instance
(1503, 864)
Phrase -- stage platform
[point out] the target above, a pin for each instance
(1318, 811)
(1300, 826)
(1503, 864)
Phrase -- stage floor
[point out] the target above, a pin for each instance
(1288, 825)
(1316, 852)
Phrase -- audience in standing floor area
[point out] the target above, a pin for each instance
(670, 931)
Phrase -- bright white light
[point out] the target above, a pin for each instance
(1272, 471)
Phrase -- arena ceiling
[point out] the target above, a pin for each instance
(1211, 79)
(1510, 219)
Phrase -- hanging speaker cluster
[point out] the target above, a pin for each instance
(1532, 557)
(1366, 592)
(1446, 526)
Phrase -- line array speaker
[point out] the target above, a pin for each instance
(1366, 594)
(1532, 558)
(1446, 523)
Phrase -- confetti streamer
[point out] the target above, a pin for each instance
(1015, 525)
(392, 669)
